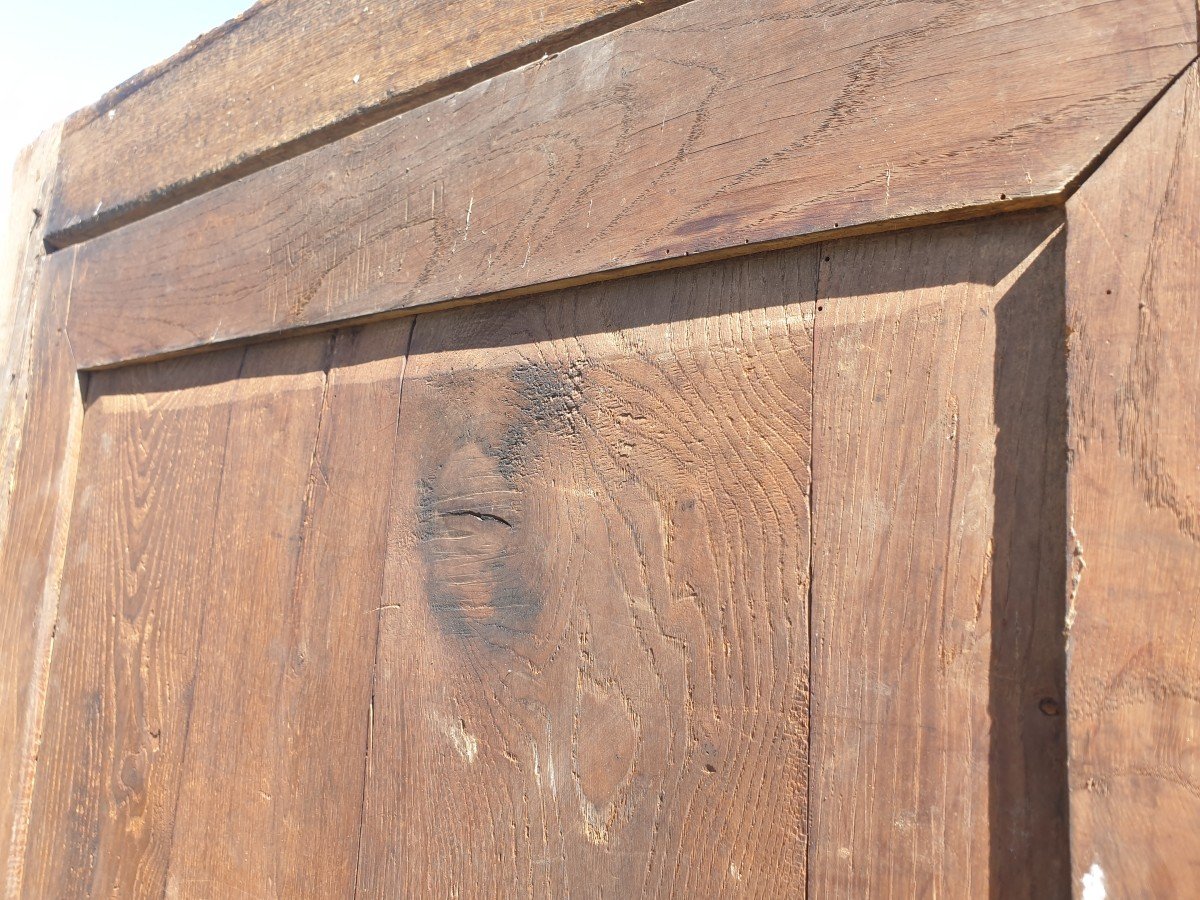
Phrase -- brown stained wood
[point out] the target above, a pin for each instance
(20, 265)
(1133, 310)
(137, 580)
(938, 510)
(289, 75)
(275, 785)
(212, 670)
(42, 424)
(669, 138)
(22, 248)
(592, 672)
(39, 419)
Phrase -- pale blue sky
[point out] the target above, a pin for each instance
(59, 55)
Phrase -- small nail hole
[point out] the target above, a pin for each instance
(1049, 706)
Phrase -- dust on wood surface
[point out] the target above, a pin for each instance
(671, 137)
(1133, 312)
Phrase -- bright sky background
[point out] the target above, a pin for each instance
(59, 55)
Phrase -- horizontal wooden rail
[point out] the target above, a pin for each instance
(793, 122)
(287, 76)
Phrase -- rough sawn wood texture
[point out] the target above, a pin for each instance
(1133, 313)
(938, 746)
(209, 698)
(668, 138)
(40, 416)
(593, 657)
(284, 77)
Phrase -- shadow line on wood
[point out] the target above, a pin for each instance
(1027, 770)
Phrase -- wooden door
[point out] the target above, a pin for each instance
(741, 544)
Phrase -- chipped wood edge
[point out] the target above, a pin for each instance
(1090, 880)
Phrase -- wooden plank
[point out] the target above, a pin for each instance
(39, 398)
(41, 430)
(20, 264)
(32, 180)
(938, 752)
(212, 674)
(274, 789)
(592, 674)
(133, 599)
(672, 137)
(287, 76)
(1133, 307)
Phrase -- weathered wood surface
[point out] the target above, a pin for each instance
(39, 421)
(23, 250)
(19, 254)
(211, 677)
(286, 76)
(592, 673)
(671, 137)
(1133, 308)
(937, 605)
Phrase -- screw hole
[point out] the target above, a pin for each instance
(1049, 706)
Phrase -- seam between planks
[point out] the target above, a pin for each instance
(812, 568)
(362, 807)
(1108, 149)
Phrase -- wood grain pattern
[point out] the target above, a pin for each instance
(672, 137)
(32, 182)
(1133, 305)
(937, 752)
(212, 669)
(288, 75)
(592, 674)
(42, 422)
(35, 438)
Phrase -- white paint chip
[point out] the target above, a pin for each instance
(1093, 884)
